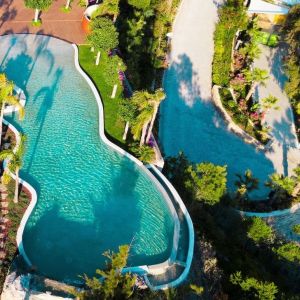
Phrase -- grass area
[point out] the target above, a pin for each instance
(16, 211)
(113, 124)
(296, 228)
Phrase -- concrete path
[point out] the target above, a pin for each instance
(16, 18)
(189, 122)
(284, 152)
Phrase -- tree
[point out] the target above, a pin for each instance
(259, 231)
(15, 162)
(269, 102)
(109, 7)
(290, 30)
(207, 182)
(255, 77)
(296, 177)
(140, 125)
(246, 183)
(251, 50)
(148, 104)
(254, 288)
(144, 153)
(7, 97)
(112, 68)
(67, 6)
(140, 4)
(38, 5)
(155, 100)
(279, 183)
(289, 251)
(128, 112)
(104, 36)
(110, 283)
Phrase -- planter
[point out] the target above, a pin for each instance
(86, 19)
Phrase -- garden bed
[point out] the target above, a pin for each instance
(15, 214)
(239, 117)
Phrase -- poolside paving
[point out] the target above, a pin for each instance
(16, 18)
(285, 152)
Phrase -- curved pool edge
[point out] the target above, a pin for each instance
(190, 253)
(273, 213)
(143, 270)
(161, 266)
(33, 201)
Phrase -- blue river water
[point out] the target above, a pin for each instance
(90, 198)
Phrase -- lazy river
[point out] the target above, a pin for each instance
(90, 197)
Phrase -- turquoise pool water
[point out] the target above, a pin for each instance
(90, 198)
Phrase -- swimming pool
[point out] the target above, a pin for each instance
(90, 198)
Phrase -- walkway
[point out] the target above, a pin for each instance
(189, 121)
(284, 152)
(16, 18)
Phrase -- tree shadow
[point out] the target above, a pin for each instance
(276, 63)
(9, 14)
(45, 96)
(193, 125)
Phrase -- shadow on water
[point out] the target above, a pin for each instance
(46, 97)
(191, 124)
(73, 244)
(75, 222)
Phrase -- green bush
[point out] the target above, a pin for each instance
(289, 251)
(296, 228)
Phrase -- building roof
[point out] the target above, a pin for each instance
(263, 7)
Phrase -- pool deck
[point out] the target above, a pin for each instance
(16, 18)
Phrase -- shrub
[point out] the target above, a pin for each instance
(289, 251)
(296, 228)
(259, 231)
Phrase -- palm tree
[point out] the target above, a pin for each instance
(246, 183)
(128, 112)
(15, 158)
(145, 153)
(38, 5)
(7, 97)
(269, 102)
(109, 7)
(140, 126)
(255, 77)
(155, 100)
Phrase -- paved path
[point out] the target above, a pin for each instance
(284, 152)
(16, 18)
(189, 122)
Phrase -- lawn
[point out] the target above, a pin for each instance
(114, 126)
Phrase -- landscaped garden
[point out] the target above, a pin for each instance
(292, 87)
(236, 257)
(233, 69)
